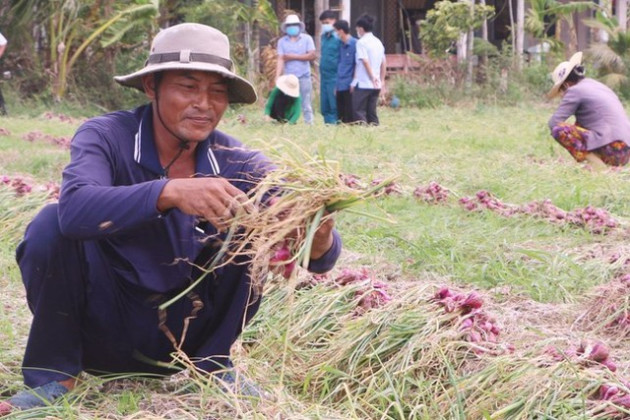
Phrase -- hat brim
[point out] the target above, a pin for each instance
(239, 89)
(284, 25)
(574, 61)
(292, 92)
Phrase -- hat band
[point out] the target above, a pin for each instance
(199, 57)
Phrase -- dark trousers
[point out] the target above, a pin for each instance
(3, 109)
(344, 106)
(86, 318)
(364, 103)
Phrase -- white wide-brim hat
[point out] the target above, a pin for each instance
(289, 85)
(192, 46)
(291, 20)
(562, 71)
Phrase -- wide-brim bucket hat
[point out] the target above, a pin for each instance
(289, 84)
(562, 71)
(193, 46)
(292, 20)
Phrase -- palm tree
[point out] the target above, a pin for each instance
(543, 14)
(611, 59)
(71, 27)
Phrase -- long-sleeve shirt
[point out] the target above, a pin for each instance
(291, 114)
(345, 71)
(596, 108)
(110, 191)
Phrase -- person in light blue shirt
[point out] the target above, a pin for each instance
(3, 46)
(369, 76)
(296, 51)
(328, 64)
(345, 71)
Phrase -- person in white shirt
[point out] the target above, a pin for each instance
(3, 46)
(369, 74)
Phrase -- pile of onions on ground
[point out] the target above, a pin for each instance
(305, 190)
(371, 294)
(477, 325)
(23, 185)
(608, 308)
(57, 141)
(597, 220)
(433, 193)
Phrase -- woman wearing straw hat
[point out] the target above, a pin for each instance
(145, 202)
(284, 102)
(601, 133)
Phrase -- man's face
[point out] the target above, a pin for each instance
(328, 21)
(341, 34)
(191, 103)
(360, 31)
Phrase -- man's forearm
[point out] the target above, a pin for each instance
(301, 57)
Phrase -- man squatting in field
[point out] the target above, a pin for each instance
(601, 133)
(144, 188)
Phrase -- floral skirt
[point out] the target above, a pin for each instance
(571, 137)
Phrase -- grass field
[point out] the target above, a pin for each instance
(552, 288)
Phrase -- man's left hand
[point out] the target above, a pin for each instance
(323, 239)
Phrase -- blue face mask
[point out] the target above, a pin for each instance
(327, 27)
(293, 30)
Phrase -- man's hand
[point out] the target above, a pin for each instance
(213, 199)
(323, 239)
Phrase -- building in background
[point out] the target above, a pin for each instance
(397, 27)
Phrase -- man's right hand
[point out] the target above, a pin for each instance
(212, 198)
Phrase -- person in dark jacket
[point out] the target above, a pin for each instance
(147, 196)
(345, 71)
(284, 104)
(601, 133)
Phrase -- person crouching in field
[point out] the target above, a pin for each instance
(601, 133)
(145, 203)
(284, 103)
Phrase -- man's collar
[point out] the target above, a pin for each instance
(146, 154)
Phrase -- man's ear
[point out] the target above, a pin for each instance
(148, 83)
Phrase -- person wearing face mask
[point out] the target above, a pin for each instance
(601, 132)
(328, 64)
(296, 51)
(345, 71)
(369, 74)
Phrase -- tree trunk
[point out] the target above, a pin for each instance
(622, 14)
(469, 48)
(512, 26)
(483, 59)
(320, 6)
(256, 41)
(520, 33)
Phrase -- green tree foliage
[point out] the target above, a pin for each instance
(611, 59)
(543, 14)
(70, 30)
(240, 20)
(447, 21)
